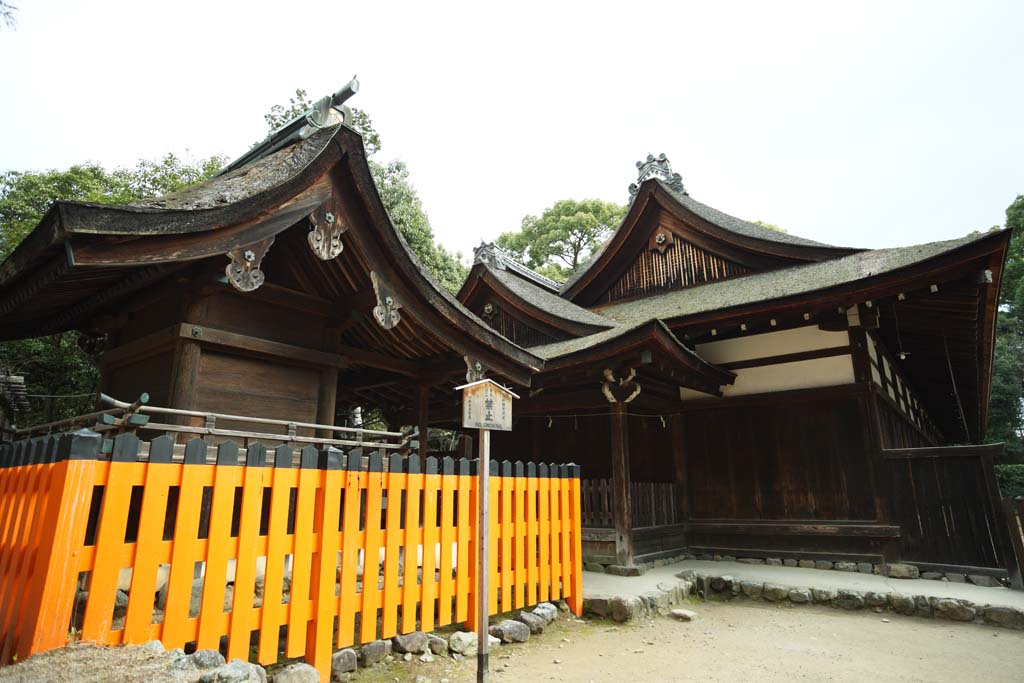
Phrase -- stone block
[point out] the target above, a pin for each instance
(600, 607)
(752, 589)
(773, 562)
(774, 593)
(546, 611)
(805, 564)
(463, 643)
(800, 595)
(956, 578)
(683, 614)
(627, 608)
(956, 610)
(873, 599)
(932, 576)
(374, 652)
(343, 661)
(1010, 617)
(593, 567)
(846, 599)
(534, 622)
(437, 644)
(237, 671)
(983, 580)
(721, 583)
(206, 659)
(822, 564)
(822, 595)
(901, 571)
(297, 673)
(865, 567)
(922, 606)
(510, 631)
(624, 570)
(902, 604)
(751, 560)
(657, 600)
(845, 566)
(789, 562)
(412, 643)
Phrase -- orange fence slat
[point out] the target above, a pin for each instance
(431, 484)
(260, 526)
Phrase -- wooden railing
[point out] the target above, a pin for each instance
(653, 503)
(234, 541)
(118, 417)
(1014, 509)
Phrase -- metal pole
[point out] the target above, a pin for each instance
(483, 496)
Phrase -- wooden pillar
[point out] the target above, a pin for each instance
(184, 383)
(682, 510)
(422, 415)
(620, 484)
(327, 401)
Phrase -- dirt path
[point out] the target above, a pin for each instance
(749, 642)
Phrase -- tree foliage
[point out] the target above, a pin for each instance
(54, 366)
(561, 239)
(7, 11)
(1006, 403)
(397, 194)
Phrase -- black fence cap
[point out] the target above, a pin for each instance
(256, 455)
(283, 455)
(195, 452)
(161, 450)
(227, 453)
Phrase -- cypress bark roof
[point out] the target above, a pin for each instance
(552, 303)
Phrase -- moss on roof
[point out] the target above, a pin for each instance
(776, 284)
(757, 287)
(547, 301)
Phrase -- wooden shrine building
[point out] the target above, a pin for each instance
(727, 389)
(738, 391)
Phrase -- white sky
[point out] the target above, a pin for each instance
(864, 124)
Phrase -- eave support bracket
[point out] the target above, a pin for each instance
(475, 370)
(386, 312)
(244, 270)
(325, 232)
(620, 390)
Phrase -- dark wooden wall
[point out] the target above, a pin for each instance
(804, 458)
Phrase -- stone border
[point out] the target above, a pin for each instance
(624, 608)
(901, 570)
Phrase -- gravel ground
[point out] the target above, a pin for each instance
(738, 641)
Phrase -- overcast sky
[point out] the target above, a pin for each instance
(864, 124)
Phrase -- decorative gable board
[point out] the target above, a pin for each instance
(671, 263)
(514, 328)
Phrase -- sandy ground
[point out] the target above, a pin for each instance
(735, 642)
(747, 641)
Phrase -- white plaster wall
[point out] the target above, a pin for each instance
(808, 338)
(804, 374)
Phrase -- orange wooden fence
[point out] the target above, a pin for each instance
(141, 544)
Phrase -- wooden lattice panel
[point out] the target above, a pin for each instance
(677, 265)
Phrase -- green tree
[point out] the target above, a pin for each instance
(557, 243)
(397, 194)
(1006, 403)
(54, 366)
(7, 11)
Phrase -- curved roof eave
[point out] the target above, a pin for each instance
(741, 233)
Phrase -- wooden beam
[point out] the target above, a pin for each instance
(992, 449)
(296, 355)
(372, 359)
(423, 416)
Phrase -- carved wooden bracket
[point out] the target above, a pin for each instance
(386, 310)
(488, 311)
(244, 270)
(325, 233)
(621, 390)
(661, 239)
(475, 370)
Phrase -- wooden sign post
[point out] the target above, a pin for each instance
(486, 405)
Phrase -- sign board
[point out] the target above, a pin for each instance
(486, 405)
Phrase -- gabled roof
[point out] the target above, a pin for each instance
(84, 257)
(752, 246)
(781, 283)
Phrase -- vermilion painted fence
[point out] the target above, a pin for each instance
(81, 531)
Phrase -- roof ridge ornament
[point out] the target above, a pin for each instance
(491, 254)
(660, 168)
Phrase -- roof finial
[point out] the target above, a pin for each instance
(660, 168)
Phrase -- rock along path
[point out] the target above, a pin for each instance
(607, 585)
